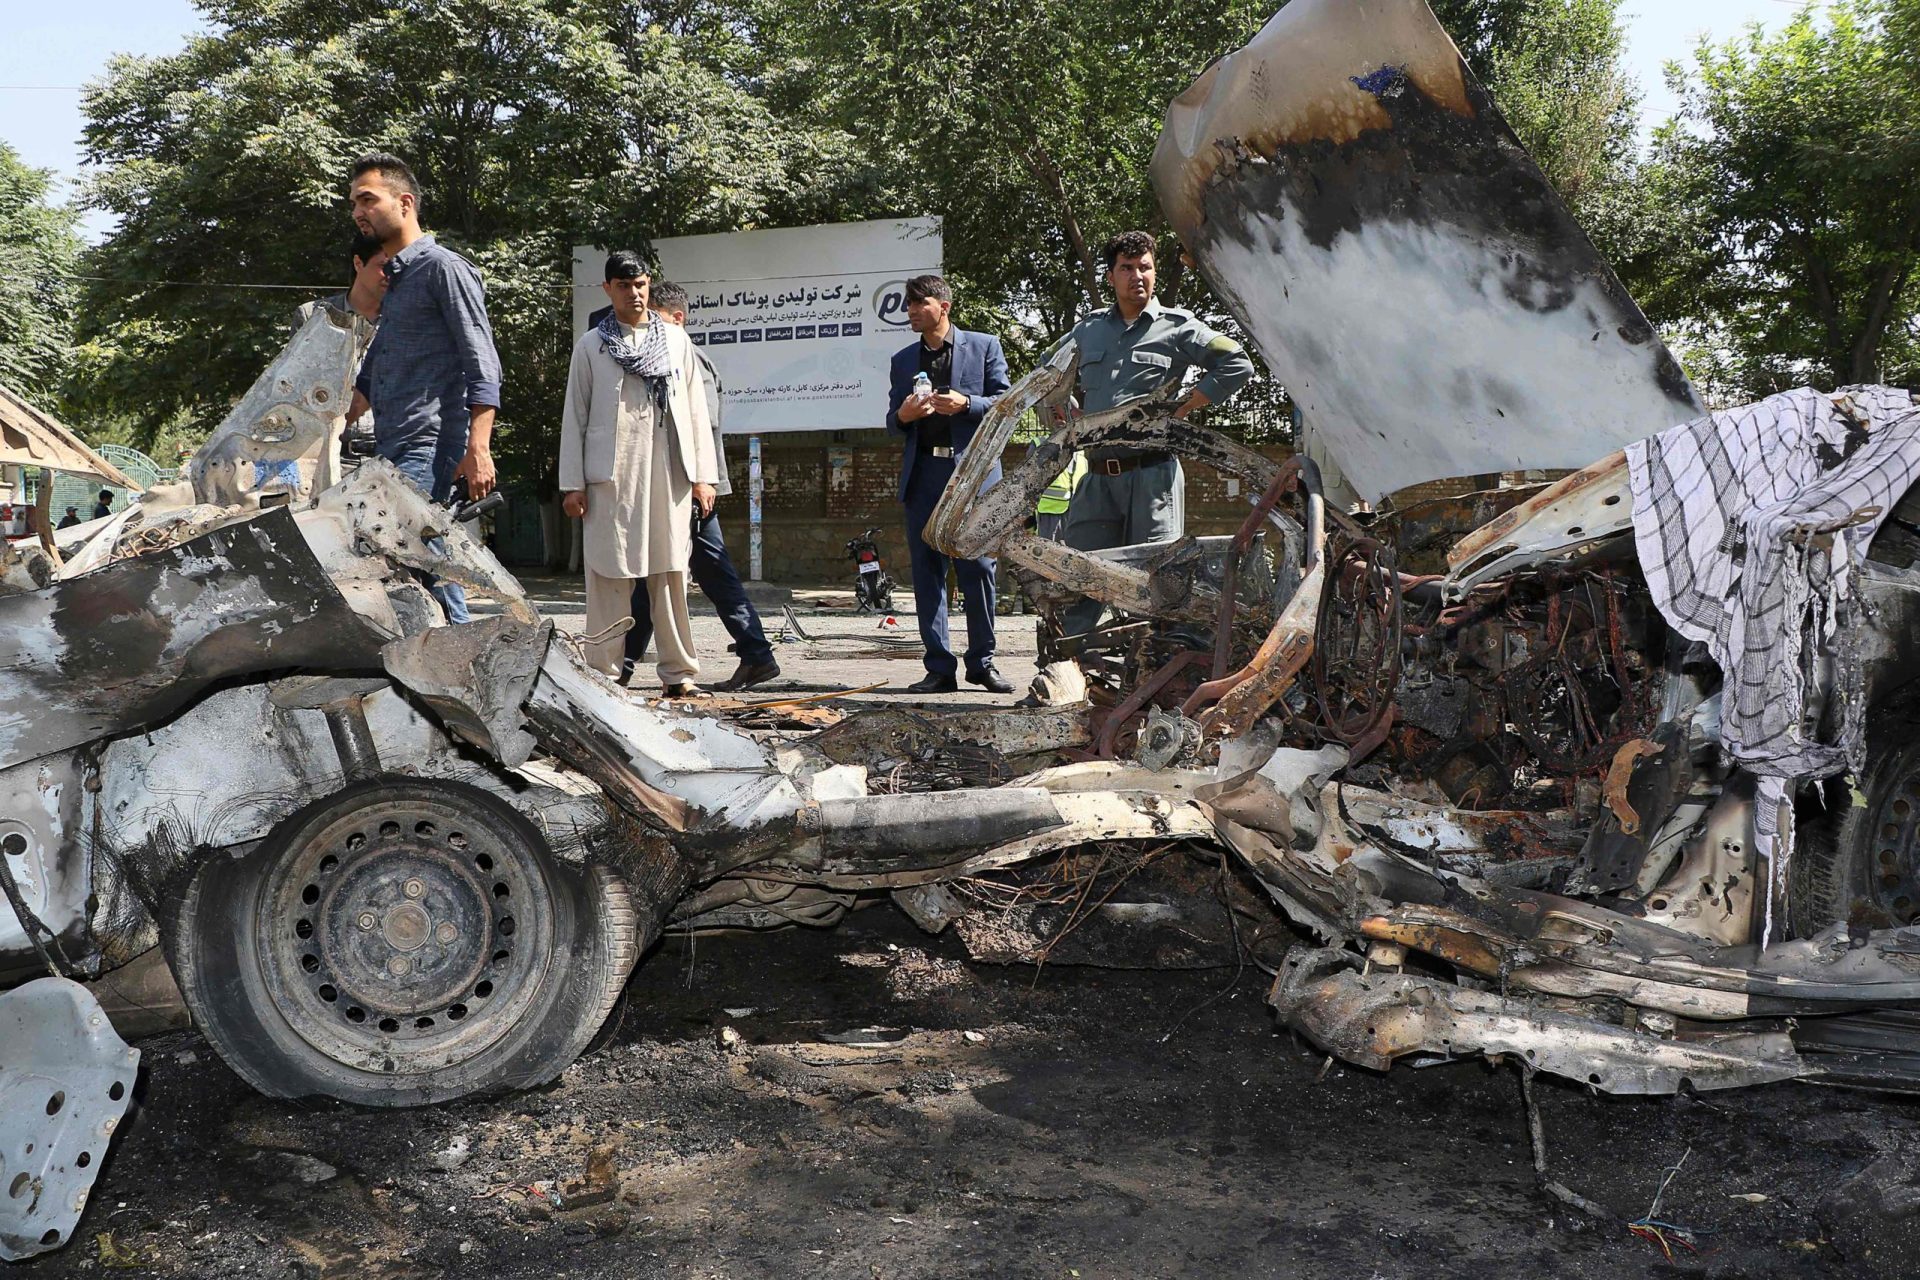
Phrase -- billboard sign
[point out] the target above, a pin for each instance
(799, 322)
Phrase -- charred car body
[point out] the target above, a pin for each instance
(1483, 752)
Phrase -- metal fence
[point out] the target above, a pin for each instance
(84, 491)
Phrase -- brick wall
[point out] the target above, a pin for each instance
(822, 488)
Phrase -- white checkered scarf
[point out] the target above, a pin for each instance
(1725, 509)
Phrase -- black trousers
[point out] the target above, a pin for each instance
(713, 569)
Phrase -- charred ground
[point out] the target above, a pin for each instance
(1086, 1122)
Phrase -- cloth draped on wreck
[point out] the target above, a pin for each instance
(1752, 525)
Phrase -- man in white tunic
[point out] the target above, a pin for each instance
(636, 462)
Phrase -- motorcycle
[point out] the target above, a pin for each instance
(872, 584)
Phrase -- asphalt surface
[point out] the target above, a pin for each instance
(848, 650)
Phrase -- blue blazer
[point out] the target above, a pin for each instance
(979, 372)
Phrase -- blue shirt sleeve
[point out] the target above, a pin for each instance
(463, 303)
(363, 380)
(1223, 361)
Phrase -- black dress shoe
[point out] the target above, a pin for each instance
(934, 684)
(749, 674)
(990, 680)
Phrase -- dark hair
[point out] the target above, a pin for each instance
(922, 288)
(366, 246)
(394, 171)
(71, 510)
(625, 264)
(106, 495)
(665, 295)
(1128, 244)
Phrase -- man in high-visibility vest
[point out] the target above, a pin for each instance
(1051, 511)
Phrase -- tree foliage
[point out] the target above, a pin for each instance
(539, 124)
(1026, 124)
(1789, 215)
(1029, 126)
(533, 124)
(37, 250)
(1554, 66)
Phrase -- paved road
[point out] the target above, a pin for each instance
(847, 650)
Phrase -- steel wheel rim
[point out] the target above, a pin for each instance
(1891, 870)
(406, 936)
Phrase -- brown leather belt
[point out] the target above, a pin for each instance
(1120, 466)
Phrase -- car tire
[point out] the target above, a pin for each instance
(402, 941)
(1860, 862)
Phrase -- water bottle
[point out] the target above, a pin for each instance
(922, 385)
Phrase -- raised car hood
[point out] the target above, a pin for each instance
(1355, 197)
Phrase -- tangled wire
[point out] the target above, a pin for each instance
(1551, 697)
(1346, 692)
(950, 766)
(1082, 879)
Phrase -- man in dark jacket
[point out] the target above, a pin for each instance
(966, 372)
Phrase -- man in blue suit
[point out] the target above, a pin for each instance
(966, 373)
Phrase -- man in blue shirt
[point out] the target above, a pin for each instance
(432, 376)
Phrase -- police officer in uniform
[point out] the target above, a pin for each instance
(1126, 352)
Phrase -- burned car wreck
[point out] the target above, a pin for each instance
(1611, 776)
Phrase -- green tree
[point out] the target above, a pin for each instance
(1789, 224)
(37, 250)
(534, 125)
(1029, 126)
(1554, 66)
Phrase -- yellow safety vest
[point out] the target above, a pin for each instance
(1054, 501)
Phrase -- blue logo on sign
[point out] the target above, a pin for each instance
(782, 334)
(749, 335)
(829, 330)
(721, 337)
(803, 331)
(890, 304)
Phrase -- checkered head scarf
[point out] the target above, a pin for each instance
(649, 360)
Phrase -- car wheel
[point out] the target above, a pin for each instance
(1860, 862)
(402, 941)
